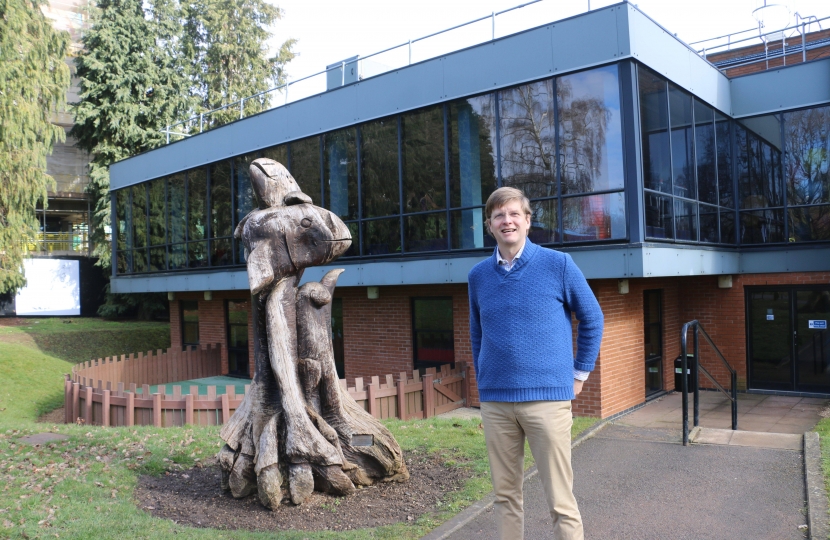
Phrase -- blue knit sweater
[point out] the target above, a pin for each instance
(520, 326)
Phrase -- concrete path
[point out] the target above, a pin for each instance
(641, 483)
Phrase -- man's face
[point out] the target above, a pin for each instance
(509, 224)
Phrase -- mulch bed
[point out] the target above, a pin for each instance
(194, 497)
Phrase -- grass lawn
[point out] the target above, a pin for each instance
(82, 487)
(823, 429)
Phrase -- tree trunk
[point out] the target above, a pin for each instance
(296, 427)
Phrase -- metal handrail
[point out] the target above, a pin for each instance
(733, 395)
(798, 27)
(285, 86)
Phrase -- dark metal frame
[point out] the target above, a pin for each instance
(249, 372)
(733, 395)
(646, 325)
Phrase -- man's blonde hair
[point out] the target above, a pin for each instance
(502, 196)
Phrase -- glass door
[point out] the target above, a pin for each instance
(812, 340)
(653, 322)
(770, 344)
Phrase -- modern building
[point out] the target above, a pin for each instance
(680, 192)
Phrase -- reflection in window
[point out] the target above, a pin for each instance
(432, 332)
(654, 122)
(544, 226)
(808, 223)
(762, 226)
(221, 214)
(354, 248)
(808, 153)
(425, 232)
(685, 220)
(658, 216)
(139, 215)
(727, 226)
(196, 204)
(707, 183)
(123, 230)
(190, 322)
(724, 157)
(176, 212)
(379, 168)
(243, 195)
(708, 223)
(682, 149)
(468, 230)
(340, 168)
(157, 229)
(278, 154)
(759, 165)
(382, 237)
(595, 217)
(305, 167)
(590, 132)
(422, 137)
(472, 125)
(527, 139)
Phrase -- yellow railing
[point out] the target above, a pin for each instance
(65, 241)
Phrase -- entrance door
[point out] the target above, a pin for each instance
(788, 339)
(237, 317)
(653, 322)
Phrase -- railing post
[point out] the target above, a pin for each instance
(201, 121)
(429, 395)
(410, 51)
(493, 19)
(696, 380)
(242, 108)
(168, 133)
(286, 93)
(684, 385)
(803, 45)
(105, 409)
(734, 400)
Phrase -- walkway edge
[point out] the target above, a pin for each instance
(479, 507)
(814, 480)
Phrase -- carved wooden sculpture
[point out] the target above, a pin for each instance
(297, 428)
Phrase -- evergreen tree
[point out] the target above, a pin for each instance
(33, 83)
(132, 86)
(226, 43)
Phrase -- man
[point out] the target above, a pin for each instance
(521, 300)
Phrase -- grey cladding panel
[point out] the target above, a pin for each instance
(469, 71)
(524, 57)
(796, 86)
(405, 89)
(658, 49)
(571, 49)
(334, 109)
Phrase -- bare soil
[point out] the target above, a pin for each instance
(194, 497)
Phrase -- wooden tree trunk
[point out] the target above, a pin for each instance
(297, 428)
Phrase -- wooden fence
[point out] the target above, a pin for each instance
(107, 403)
(148, 368)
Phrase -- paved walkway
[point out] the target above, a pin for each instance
(635, 480)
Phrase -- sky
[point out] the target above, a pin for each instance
(329, 31)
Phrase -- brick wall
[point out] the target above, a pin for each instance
(763, 65)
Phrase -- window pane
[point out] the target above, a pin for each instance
(544, 225)
(425, 232)
(197, 254)
(278, 154)
(123, 213)
(810, 223)
(221, 252)
(708, 223)
(139, 215)
(157, 216)
(724, 150)
(196, 204)
(340, 169)
(468, 231)
(140, 260)
(658, 216)
(176, 256)
(760, 168)
(685, 219)
(244, 191)
(176, 214)
(354, 249)
(158, 259)
(808, 151)
(727, 226)
(382, 236)
(305, 167)
(221, 213)
(527, 139)
(596, 217)
(654, 120)
(379, 168)
(590, 133)
(761, 227)
(422, 136)
(190, 322)
(472, 150)
(705, 153)
(433, 331)
(682, 151)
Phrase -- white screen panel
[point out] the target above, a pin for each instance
(53, 288)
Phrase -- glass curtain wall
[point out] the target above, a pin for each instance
(413, 183)
(687, 165)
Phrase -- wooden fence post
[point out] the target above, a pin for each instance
(371, 392)
(401, 399)
(76, 401)
(130, 414)
(105, 405)
(67, 401)
(188, 409)
(226, 409)
(157, 410)
(429, 395)
(88, 405)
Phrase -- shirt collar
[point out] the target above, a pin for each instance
(502, 260)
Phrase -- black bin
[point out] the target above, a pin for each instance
(678, 373)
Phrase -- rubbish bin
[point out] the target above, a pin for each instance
(690, 372)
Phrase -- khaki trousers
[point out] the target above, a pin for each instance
(547, 426)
